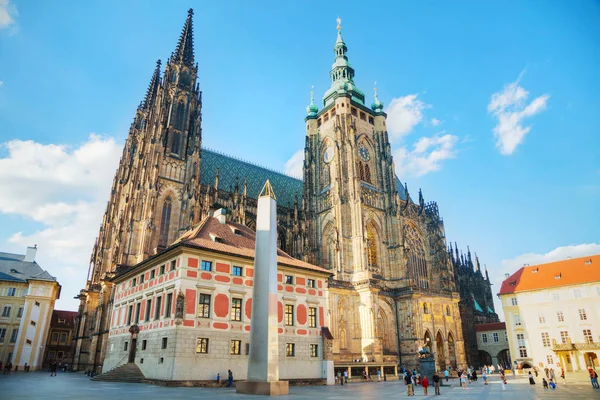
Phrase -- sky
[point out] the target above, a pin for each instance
(493, 110)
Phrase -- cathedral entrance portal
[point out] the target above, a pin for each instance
(451, 350)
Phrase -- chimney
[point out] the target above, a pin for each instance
(506, 275)
(30, 255)
(221, 215)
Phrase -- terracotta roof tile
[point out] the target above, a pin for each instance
(492, 326)
(568, 272)
(234, 239)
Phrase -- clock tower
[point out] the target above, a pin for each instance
(350, 185)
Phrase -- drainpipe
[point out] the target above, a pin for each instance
(398, 333)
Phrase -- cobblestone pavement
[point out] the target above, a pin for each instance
(39, 385)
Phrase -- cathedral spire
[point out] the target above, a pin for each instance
(184, 52)
(152, 88)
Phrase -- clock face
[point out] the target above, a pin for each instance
(364, 153)
(328, 155)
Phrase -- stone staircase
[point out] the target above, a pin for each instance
(129, 372)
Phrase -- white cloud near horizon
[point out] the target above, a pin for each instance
(8, 14)
(510, 108)
(294, 166)
(64, 189)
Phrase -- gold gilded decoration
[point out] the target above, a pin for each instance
(267, 190)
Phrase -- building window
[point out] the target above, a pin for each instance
(312, 317)
(517, 320)
(289, 280)
(12, 291)
(164, 343)
(157, 307)
(152, 274)
(6, 311)
(202, 345)
(235, 347)
(141, 279)
(542, 319)
(63, 337)
(204, 305)
(289, 315)
(20, 312)
(236, 309)
(506, 337)
(577, 293)
(138, 307)
(144, 344)
(363, 116)
(314, 350)
(162, 270)
(173, 265)
(37, 303)
(545, 339)
(148, 305)
(310, 283)
(161, 360)
(134, 282)
(54, 337)
(129, 314)
(168, 305)
(582, 314)
(206, 266)
(587, 336)
(521, 343)
(247, 349)
(555, 296)
(237, 271)
(514, 301)
(484, 337)
(564, 337)
(52, 355)
(290, 349)
(560, 316)
(495, 337)
(28, 342)
(165, 221)
(2, 334)
(125, 346)
(62, 320)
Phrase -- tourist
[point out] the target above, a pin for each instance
(502, 381)
(7, 368)
(552, 384)
(409, 385)
(531, 381)
(562, 375)
(552, 376)
(436, 383)
(544, 383)
(446, 374)
(229, 378)
(53, 368)
(378, 375)
(218, 378)
(338, 378)
(484, 378)
(474, 376)
(425, 384)
(547, 372)
(594, 378)
(346, 376)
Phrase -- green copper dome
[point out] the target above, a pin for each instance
(377, 105)
(312, 108)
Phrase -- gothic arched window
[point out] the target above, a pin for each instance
(179, 115)
(361, 171)
(372, 259)
(175, 142)
(367, 173)
(165, 222)
(416, 265)
(325, 176)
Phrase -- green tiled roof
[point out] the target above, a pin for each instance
(477, 306)
(285, 187)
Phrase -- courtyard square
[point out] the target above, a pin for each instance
(39, 385)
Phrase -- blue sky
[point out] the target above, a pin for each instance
(493, 110)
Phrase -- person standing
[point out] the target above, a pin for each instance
(547, 372)
(230, 378)
(446, 374)
(552, 375)
(484, 378)
(408, 383)
(339, 378)
(346, 376)
(436, 383)
(531, 381)
(425, 384)
(503, 381)
(378, 375)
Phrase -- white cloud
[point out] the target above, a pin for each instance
(65, 190)
(403, 114)
(510, 108)
(426, 156)
(8, 13)
(1, 83)
(435, 122)
(293, 166)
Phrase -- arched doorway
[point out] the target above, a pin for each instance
(591, 360)
(451, 350)
(484, 358)
(504, 358)
(441, 357)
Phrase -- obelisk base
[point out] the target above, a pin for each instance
(275, 388)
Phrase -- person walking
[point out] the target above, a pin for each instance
(408, 383)
(503, 381)
(531, 381)
(544, 383)
(229, 378)
(218, 378)
(345, 376)
(446, 374)
(562, 375)
(594, 378)
(547, 372)
(53, 368)
(425, 384)
(552, 375)
(484, 378)
(339, 378)
(474, 376)
(378, 375)
(436, 383)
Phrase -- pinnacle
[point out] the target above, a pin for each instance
(184, 52)
(153, 87)
(267, 190)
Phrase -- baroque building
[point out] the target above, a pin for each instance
(393, 288)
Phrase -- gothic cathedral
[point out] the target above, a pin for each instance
(394, 288)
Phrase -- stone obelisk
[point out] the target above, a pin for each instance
(263, 360)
